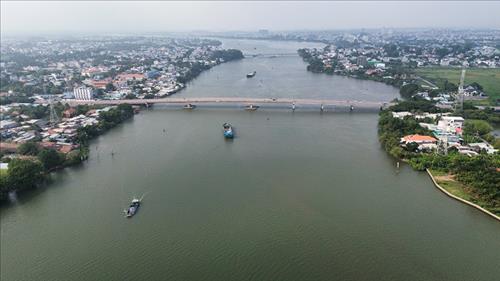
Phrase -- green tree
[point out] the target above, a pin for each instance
(4, 186)
(28, 148)
(477, 127)
(110, 87)
(24, 173)
(412, 147)
(130, 96)
(408, 90)
(50, 158)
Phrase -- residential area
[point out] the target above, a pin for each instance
(104, 68)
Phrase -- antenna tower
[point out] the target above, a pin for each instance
(459, 97)
(53, 119)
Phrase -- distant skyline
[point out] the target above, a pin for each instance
(41, 17)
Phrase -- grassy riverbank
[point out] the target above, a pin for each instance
(448, 182)
(475, 179)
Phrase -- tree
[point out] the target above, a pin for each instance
(28, 148)
(4, 186)
(412, 147)
(450, 87)
(24, 174)
(227, 55)
(130, 96)
(477, 127)
(110, 87)
(408, 90)
(50, 158)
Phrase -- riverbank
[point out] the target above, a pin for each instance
(475, 171)
(454, 189)
(36, 160)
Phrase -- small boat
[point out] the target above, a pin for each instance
(228, 131)
(251, 74)
(251, 107)
(133, 208)
(189, 106)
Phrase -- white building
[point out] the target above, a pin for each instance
(452, 124)
(83, 93)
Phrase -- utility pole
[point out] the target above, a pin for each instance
(459, 97)
(53, 118)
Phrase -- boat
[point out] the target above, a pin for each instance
(228, 131)
(251, 107)
(251, 74)
(133, 208)
(189, 106)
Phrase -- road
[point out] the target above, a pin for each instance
(235, 100)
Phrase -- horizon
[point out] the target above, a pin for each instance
(30, 18)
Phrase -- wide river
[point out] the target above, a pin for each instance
(295, 196)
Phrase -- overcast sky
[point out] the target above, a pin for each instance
(128, 16)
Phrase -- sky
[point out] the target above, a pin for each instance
(38, 17)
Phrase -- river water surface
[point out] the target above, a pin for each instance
(295, 196)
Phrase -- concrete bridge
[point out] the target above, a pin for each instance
(239, 101)
(271, 55)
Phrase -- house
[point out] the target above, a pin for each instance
(401, 114)
(419, 139)
(452, 124)
(6, 124)
(70, 112)
(424, 142)
(479, 146)
(8, 147)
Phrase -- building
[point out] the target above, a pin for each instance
(451, 124)
(483, 146)
(7, 124)
(83, 93)
(70, 112)
(362, 61)
(100, 84)
(418, 139)
(423, 142)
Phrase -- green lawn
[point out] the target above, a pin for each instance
(456, 189)
(489, 78)
(460, 190)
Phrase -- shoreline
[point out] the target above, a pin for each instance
(461, 199)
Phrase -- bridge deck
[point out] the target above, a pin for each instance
(237, 100)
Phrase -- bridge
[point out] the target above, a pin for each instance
(239, 101)
(274, 55)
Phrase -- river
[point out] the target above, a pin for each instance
(295, 196)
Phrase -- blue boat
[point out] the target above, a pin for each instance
(133, 208)
(228, 131)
